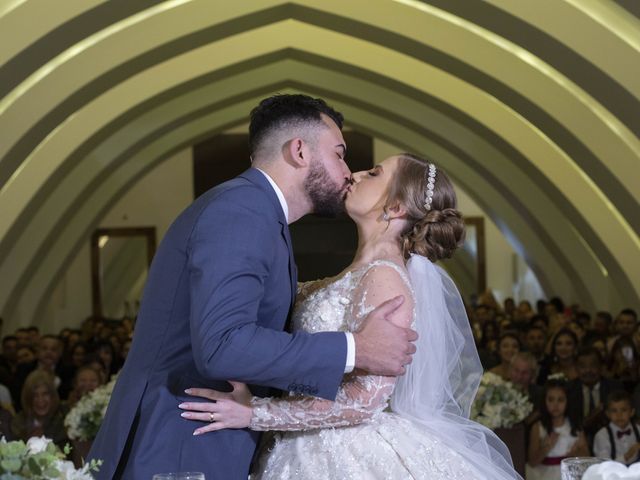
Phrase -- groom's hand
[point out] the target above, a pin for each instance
(382, 347)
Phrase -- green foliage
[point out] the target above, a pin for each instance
(39, 459)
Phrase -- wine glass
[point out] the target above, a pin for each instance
(179, 476)
(572, 468)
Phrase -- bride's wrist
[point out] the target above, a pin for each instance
(256, 405)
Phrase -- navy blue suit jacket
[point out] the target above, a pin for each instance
(217, 297)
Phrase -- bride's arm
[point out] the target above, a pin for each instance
(360, 397)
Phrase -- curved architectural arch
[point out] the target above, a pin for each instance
(413, 132)
(540, 118)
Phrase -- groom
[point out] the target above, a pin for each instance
(218, 295)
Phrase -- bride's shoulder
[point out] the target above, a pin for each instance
(382, 280)
(388, 269)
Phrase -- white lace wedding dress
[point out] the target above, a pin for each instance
(355, 437)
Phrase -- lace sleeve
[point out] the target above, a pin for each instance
(303, 289)
(360, 397)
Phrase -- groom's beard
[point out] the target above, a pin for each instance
(327, 198)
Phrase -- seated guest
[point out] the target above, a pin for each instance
(540, 321)
(564, 347)
(508, 345)
(42, 412)
(601, 324)
(76, 357)
(624, 326)
(620, 439)
(34, 335)
(535, 341)
(488, 345)
(86, 380)
(555, 436)
(48, 354)
(510, 309)
(105, 351)
(524, 311)
(624, 362)
(94, 362)
(577, 328)
(523, 371)
(24, 356)
(78, 354)
(597, 341)
(24, 339)
(588, 392)
(554, 310)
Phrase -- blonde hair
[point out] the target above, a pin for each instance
(435, 233)
(36, 379)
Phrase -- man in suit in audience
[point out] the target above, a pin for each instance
(588, 393)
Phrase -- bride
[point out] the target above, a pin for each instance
(415, 426)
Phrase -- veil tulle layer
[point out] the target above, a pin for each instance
(441, 382)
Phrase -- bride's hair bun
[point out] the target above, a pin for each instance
(436, 232)
(437, 235)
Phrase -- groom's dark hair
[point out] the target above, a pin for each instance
(283, 110)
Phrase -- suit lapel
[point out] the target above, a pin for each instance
(293, 271)
(256, 177)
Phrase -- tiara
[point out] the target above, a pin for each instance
(431, 180)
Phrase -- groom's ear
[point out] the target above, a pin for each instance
(297, 153)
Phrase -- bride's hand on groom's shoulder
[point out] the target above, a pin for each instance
(224, 410)
(382, 346)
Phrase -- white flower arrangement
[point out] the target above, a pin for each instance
(84, 419)
(498, 403)
(612, 471)
(40, 459)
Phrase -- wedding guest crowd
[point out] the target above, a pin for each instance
(43, 376)
(580, 371)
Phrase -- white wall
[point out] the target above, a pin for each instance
(156, 200)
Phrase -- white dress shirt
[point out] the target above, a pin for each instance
(602, 446)
(351, 343)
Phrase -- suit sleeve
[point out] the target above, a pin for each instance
(230, 254)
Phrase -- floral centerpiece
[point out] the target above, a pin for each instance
(39, 459)
(84, 419)
(498, 403)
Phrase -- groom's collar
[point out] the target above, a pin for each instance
(281, 199)
(257, 177)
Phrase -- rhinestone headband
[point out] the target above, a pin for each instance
(431, 181)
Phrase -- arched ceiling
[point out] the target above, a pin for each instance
(534, 111)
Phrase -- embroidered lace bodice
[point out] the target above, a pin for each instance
(333, 304)
(372, 442)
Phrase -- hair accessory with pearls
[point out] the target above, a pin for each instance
(431, 181)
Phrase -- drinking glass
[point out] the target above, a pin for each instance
(573, 468)
(179, 476)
